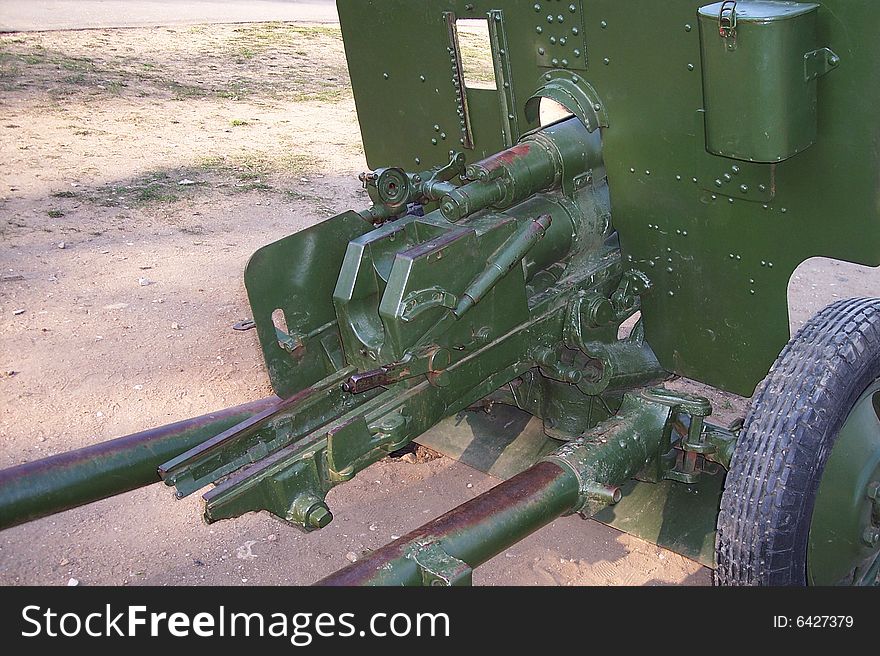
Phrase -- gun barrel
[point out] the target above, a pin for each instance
(475, 531)
(67, 480)
(538, 162)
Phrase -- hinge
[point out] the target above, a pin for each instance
(818, 62)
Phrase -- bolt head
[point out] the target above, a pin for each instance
(873, 491)
(320, 516)
(871, 536)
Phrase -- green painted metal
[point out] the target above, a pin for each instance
(470, 534)
(579, 98)
(296, 275)
(500, 440)
(505, 441)
(581, 476)
(683, 214)
(67, 480)
(419, 328)
(732, 142)
(676, 516)
(618, 449)
(253, 439)
(398, 283)
(500, 263)
(844, 544)
(760, 104)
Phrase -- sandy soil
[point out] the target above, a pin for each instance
(141, 168)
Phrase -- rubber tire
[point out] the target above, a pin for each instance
(791, 426)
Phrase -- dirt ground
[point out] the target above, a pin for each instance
(141, 168)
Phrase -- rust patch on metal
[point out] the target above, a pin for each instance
(361, 382)
(519, 490)
(505, 157)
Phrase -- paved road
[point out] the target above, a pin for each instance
(38, 15)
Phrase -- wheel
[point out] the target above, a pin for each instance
(801, 503)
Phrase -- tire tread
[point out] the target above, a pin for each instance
(791, 425)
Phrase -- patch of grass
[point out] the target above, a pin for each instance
(253, 164)
(55, 214)
(153, 188)
(243, 174)
(294, 162)
(259, 37)
(476, 59)
(9, 65)
(9, 71)
(278, 32)
(33, 58)
(154, 193)
(330, 31)
(329, 94)
(48, 67)
(236, 122)
(181, 91)
(258, 171)
(64, 194)
(8, 58)
(230, 64)
(77, 64)
(213, 162)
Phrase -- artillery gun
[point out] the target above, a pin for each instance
(704, 153)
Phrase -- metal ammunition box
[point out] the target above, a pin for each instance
(759, 78)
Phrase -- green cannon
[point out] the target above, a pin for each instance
(701, 153)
